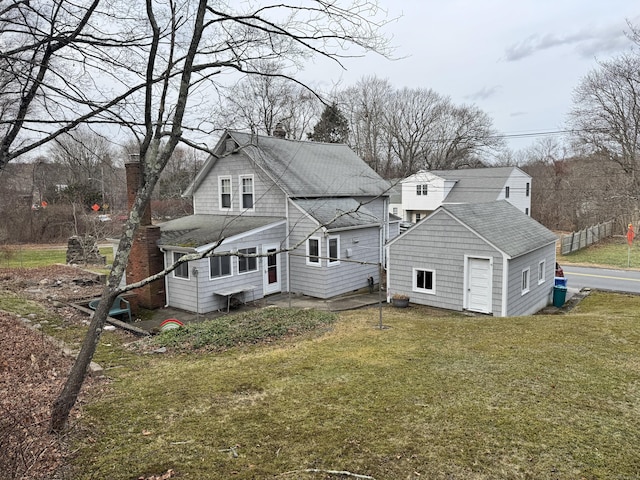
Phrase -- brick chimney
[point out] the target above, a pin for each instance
(279, 131)
(145, 258)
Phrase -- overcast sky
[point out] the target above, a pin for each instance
(518, 60)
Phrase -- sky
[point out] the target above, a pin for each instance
(517, 60)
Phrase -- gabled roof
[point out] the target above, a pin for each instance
(338, 213)
(475, 185)
(196, 230)
(306, 169)
(502, 225)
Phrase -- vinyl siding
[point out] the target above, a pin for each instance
(539, 296)
(181, 293)
(269, 199)
(440, 244)
(328, 281)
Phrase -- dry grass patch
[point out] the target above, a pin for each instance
(434, 396)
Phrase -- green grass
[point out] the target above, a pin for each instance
(17, 256)
(433, 396)
(611, 252)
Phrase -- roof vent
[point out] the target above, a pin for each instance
(231, 146)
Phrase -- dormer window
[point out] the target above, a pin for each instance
(246, 184)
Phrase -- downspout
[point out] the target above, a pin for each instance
(287, 235)
(388, 273)
(166, 280)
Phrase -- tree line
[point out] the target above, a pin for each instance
(165, 74)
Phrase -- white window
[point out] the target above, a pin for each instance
(182, 270)
(528, 188)
(247, 264)
(220, 266)
(424, 280)
(333, 247)
(526, 211)
(224, 193)
(313, 251)
(395, 210)
(418, 217)
(542, 266)
(246, 185)
(506, 192)
(525, 281)
(422, 189)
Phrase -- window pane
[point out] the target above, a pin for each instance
(424, 279)
(225, 192)
(247, 193)
(247, 264)
(314, 250)
(333, 249)
(182, 271)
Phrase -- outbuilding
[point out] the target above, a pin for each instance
(489, 258)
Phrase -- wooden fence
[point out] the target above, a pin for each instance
(573, 242)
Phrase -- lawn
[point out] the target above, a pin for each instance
(611, 252)
(434, 395)
(30, 256)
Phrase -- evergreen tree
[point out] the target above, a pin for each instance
(333, 126)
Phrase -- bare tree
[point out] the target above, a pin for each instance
(366, 106)
(261, 102)
(605, 117)
(151, 68)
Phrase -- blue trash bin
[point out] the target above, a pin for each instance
(559, 296)
(560, 281)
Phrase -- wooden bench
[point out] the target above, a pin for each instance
(120, 306)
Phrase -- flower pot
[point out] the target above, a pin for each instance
(400, 302)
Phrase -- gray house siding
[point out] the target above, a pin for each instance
(441, 246)
(197, 294)
(324, 280)
(269, 200)
(539, 294)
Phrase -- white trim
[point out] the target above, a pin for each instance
(230, 274)
(248, 259)
(466, 286)
(542, 263)
(525, 289)
(332, 262)
(414, 283)
(267, 288)
(220, 179)
(505, 284)
(308, 257)
(174, 260)
(241, 193)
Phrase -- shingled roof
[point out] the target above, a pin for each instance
(503, 225)
(312, 169)
(197, 230)
(475, 184)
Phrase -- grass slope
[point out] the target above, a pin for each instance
(436, 397)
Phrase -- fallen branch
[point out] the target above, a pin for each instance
(331, 472)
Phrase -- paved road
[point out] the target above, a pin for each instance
(602, 278)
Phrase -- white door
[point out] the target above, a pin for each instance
(479, 285)
(271, 269)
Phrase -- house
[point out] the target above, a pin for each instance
(487, 257)
(423, 192)
(281, 216)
